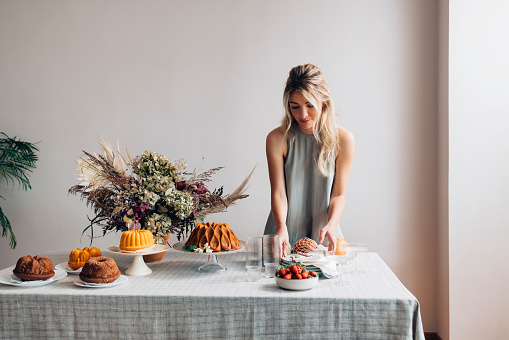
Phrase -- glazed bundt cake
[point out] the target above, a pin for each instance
(133, 240)
(219, 236)
(100, 269)
(78, 257)
(30, 268)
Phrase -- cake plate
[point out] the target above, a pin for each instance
(138, 266)
(212, 265)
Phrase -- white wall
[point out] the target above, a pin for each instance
(478, 169)
(204, 79)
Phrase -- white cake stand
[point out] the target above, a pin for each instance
(212, 265)
(138, 266)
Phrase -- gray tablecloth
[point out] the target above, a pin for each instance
(177, 301)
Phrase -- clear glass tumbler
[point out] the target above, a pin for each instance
(270, 254)
(254, 257)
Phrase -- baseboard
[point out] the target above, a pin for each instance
(432, 336)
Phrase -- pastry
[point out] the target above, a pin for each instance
(100, 269)
(219, 236)
(305, 245)
(133, 240)
(78, 257)
(30, 268)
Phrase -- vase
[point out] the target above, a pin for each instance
(158, 256)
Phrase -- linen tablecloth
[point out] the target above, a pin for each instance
(176, 301)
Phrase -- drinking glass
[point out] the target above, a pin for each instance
(355, 249)
(254, 258)
(270, 254)
(340, 260)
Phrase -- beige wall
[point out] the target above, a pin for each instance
(478, 169)
(443, 171)
(200, 79)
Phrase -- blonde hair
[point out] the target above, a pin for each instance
(308, 80)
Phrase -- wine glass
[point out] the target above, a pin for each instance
(340, 260)
(354, 249)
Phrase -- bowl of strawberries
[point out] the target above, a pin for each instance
(296, 277)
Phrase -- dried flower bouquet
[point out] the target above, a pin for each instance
(147, 192)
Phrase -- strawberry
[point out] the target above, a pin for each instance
(313, 273)
(287, 276)
(298, 276)
(295, 269)
(304, 275)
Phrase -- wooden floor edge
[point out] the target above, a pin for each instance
(432, 336)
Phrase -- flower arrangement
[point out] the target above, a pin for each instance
(147, 192)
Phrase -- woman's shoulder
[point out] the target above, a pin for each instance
(346, 139)
(344, 135)
(276, 136)
(276, 142)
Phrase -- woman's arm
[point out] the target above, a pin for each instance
(344, 162)
(276, 149)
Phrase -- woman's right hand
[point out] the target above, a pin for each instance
(284, 242)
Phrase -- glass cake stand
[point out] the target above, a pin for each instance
(138, 266)
(212, 265)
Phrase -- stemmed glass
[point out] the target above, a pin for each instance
(354, 249)
(340, 260)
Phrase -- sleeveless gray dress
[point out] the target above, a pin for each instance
(307, 190)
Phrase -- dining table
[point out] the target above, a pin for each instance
(176, 301)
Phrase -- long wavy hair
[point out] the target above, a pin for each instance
(308, 80)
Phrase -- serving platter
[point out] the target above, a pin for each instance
(120, 280)
(11, 279)
(138, 266)
(69, 270)
(212, 265)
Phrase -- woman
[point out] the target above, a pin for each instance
(309, 159)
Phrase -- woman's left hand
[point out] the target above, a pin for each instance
(330, 233)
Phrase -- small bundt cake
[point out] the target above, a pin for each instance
(93, 251)
(219, 236)
(133, 240)
(78, 257)
(100, 269)
(30, 268)
(305, 245)
(340, 244)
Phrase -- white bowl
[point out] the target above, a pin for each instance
(296, 284)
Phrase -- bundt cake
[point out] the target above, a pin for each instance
(78, 257)
(94, 251)
(100, 269)
(133, 240)
(30, 268)
(305, 245)
(340, 243)
(219, 236)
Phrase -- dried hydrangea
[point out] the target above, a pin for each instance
(180, 201)
(152, 163)
(158, 224)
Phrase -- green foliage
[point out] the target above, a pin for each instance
(17, 159)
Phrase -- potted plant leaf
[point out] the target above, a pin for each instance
(17, 159)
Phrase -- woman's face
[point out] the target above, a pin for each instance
(304, 112)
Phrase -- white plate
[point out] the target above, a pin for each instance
(120, 280)
(7, 279)
(157, 248)
(181, 246)
(65, 266)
